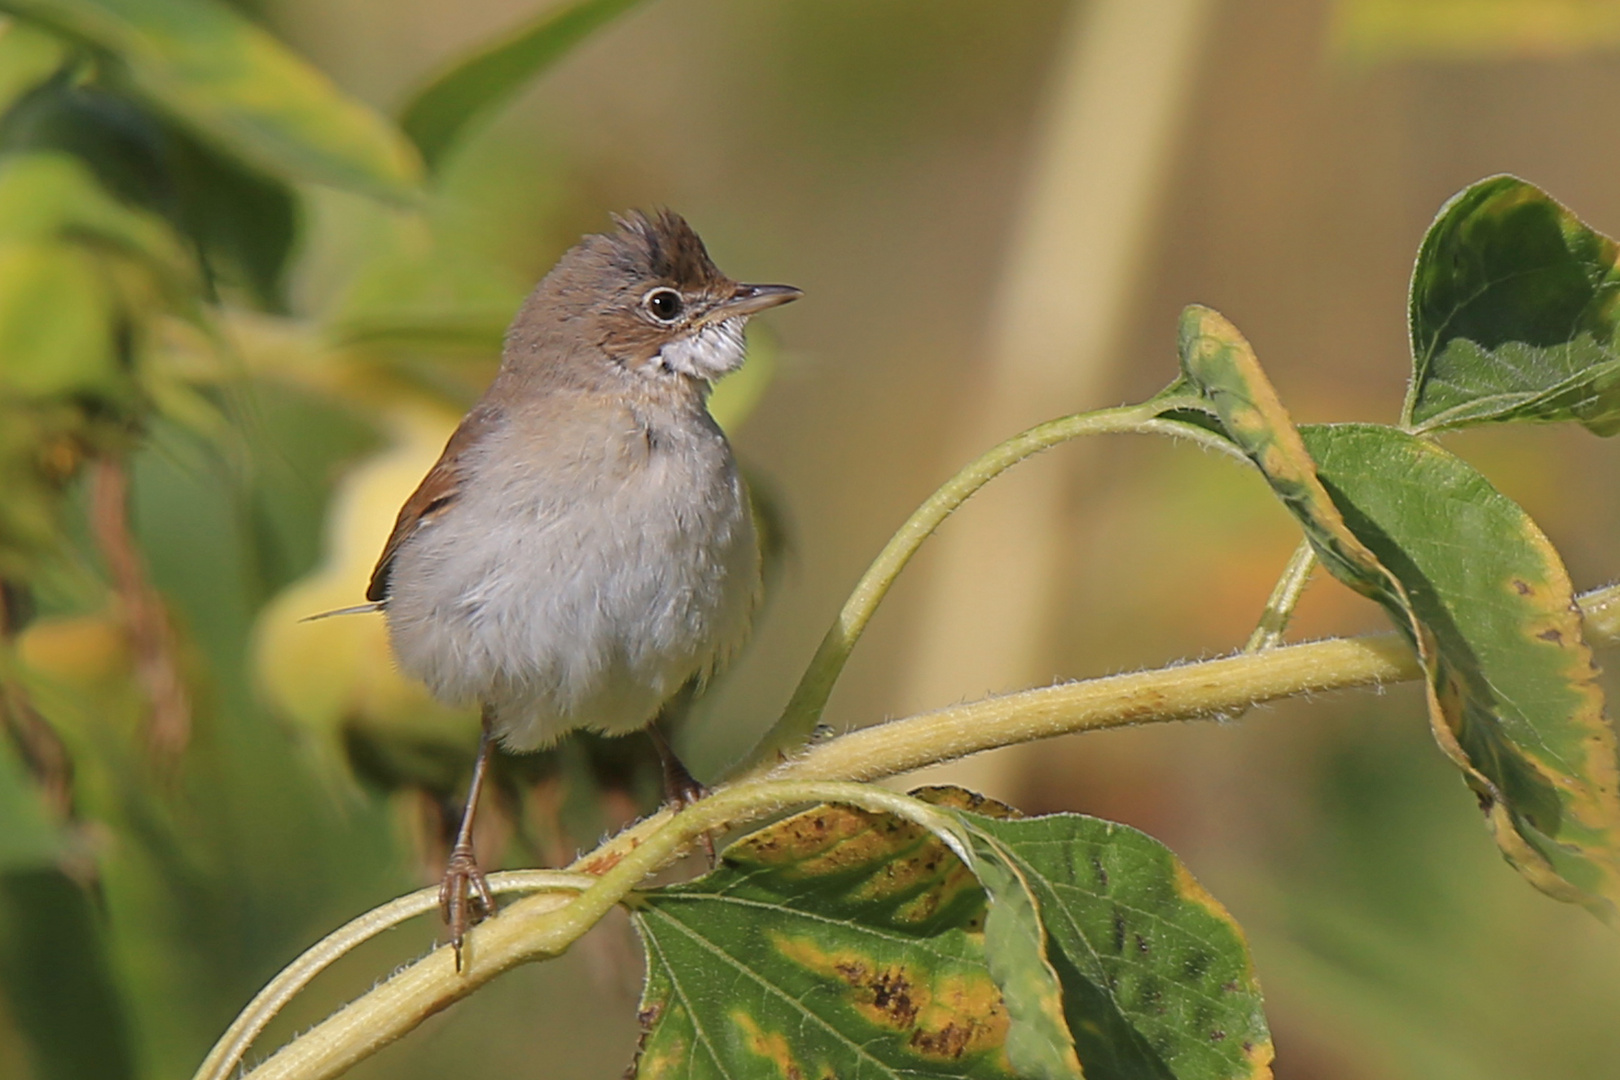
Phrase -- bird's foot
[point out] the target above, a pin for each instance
(681, 791)
(681, 788)
(464, 896)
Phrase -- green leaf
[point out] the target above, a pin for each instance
(1157, 980)
(438, 115)
(236, 86)
(842, 943)
(1513, 693)
(28, 56)
(241, 221)
(58, 325)
(65, 248)
(1515, 314)
(58, 981)
(1519, 707)
(51, 197)
(836, 943)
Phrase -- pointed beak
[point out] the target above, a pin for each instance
(752, 299)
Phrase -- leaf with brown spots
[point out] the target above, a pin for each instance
(835, 943)
(803, 955)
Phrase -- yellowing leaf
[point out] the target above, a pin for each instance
(1512, 689)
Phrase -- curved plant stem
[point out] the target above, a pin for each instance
(227, 1053)
(1283, 599)
(810, 697)
(543, 926)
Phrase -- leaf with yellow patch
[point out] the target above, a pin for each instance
(1516, 701)
(1219, 362)
(834, 943)
(849, 944)
(1513, 694)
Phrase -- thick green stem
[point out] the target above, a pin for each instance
(804, 709)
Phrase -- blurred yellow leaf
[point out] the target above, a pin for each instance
(327, 674)
(1372, 30)
(77, 649)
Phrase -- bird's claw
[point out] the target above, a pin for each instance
(464, 896)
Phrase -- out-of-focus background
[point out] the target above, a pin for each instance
(996, 212)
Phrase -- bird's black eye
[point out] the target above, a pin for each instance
(664, 304)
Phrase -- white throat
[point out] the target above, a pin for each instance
(716, 349)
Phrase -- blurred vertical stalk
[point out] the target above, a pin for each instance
(146, 619)
(1122, 78)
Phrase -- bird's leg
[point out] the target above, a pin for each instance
(464, 895)
(681, 789)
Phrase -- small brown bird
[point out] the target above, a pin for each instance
(584, 548)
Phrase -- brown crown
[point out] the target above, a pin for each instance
(662, 246)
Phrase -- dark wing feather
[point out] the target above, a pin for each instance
(436, 492)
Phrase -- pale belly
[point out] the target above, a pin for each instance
(590, 612)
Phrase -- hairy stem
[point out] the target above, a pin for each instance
(1210, 689)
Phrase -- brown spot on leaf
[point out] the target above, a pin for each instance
(948, 1042)
(1522, 587)
(1553, 635)
(942, 1015)
(891, 995)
